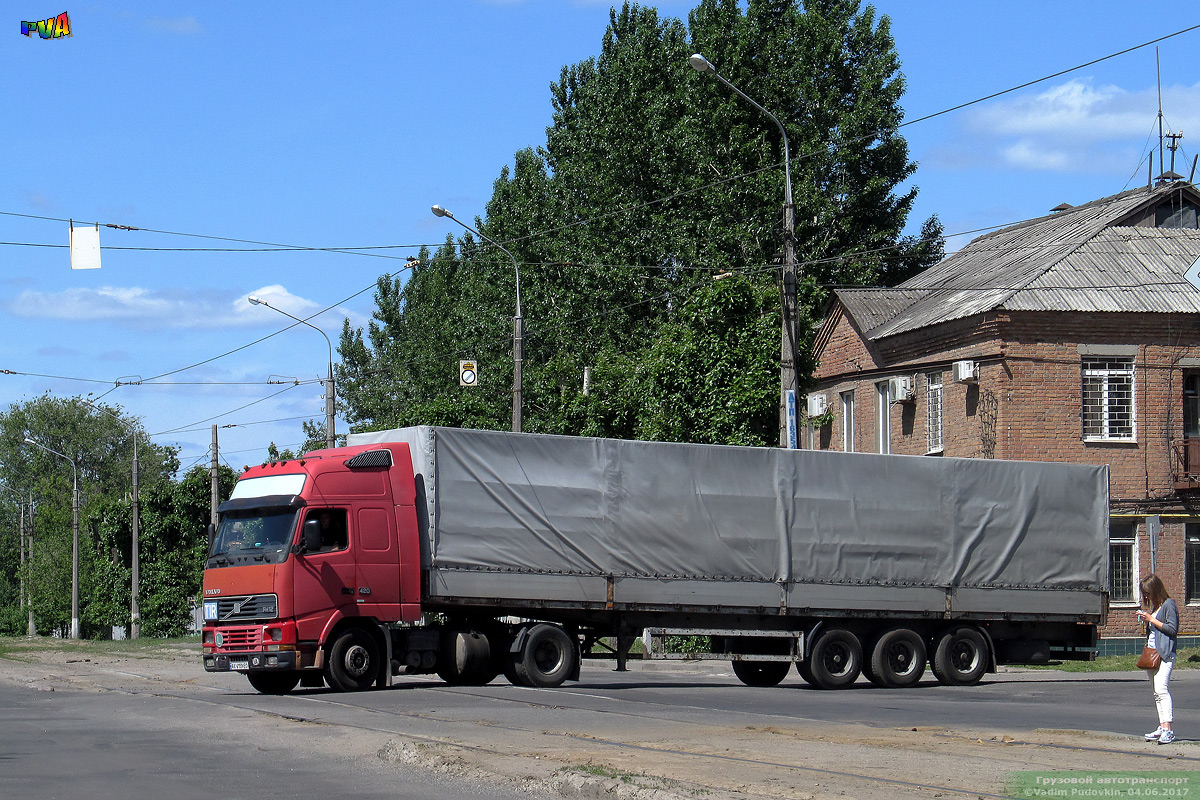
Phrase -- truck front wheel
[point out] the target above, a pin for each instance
(353, 660)
(961, 657)
(274, 682)
(547, 657)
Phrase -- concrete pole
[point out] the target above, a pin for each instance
(31, 630)
(135, 614)
(216, 487)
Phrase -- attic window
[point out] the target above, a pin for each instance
(1176, 215)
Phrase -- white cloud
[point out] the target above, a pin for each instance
(171, 308)
(1075, 127)
(181, 25)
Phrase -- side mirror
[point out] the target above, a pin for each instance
(212, 536)
(312, 535)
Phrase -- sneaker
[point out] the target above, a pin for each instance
(1153, 735)
(1166, 737)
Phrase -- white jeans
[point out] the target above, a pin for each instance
(1160, 679)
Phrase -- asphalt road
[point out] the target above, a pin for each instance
(75, 744)
(142, 728)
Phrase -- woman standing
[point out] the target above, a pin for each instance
(1163, 622)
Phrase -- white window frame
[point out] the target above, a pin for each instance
(933, 413)
(847, 420)
(1191, 537)
(1130, 541)
(883, 417)
(1114, 398)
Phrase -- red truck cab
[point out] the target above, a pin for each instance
(309, 558)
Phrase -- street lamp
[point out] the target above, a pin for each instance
(74, 536)
(135, 615)
(518, 322)
(330, 438)
(787, 343)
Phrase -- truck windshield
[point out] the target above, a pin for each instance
(253, 535)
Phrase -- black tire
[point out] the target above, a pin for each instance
(465, 659)
(961, 657)
(898, 659)
(804, 672)
(836, 659)
(352, 661)
(547, 657)
(274, 682)
(868, 670)
(761, 673)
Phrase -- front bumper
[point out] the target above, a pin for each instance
(251, 662)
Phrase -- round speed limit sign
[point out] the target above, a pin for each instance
(468, 373)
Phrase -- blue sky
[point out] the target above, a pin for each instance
(338, 125)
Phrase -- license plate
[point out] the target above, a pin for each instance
(239, 663)
(210, 609)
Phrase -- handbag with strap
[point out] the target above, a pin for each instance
(1150, 658)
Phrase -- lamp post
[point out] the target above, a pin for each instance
(135, 615)
(518, 322)
(787, 343)
(74, 536)
(330, 438)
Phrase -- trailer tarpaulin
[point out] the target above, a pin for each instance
(509, 502)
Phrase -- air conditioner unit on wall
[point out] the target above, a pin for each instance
(901, 389)
(817, 404)
(966, 372)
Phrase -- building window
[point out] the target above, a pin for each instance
(848, 421)
(933, 413)
(883, 417)
(1191, 406)
(1108, 406)
(1122, 561)
(1192, 563)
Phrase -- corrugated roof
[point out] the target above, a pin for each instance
(1068, 261)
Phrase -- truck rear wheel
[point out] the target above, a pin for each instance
(465, 659)
(897, 659)
(274, 682)
(836, 659)
(352, 661)
(761, 673)
(547, 657)
(961, 657)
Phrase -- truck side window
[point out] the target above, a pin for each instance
(333, 528)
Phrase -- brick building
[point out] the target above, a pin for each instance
(1073, 337)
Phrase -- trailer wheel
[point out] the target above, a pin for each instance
(547, 657)
(274, 682)
(804, 672)
(897, 659)
(465, 659)
(961, 657)
(761, 673)
(352, 661)
(836, 659)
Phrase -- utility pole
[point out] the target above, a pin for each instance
(216, 488)
(31, 630)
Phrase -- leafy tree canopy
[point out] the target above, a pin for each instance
(647, 228)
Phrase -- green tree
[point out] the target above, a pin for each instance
(98, 441)
(654, 180)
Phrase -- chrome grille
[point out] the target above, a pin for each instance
(239, 638)
(257, 606)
